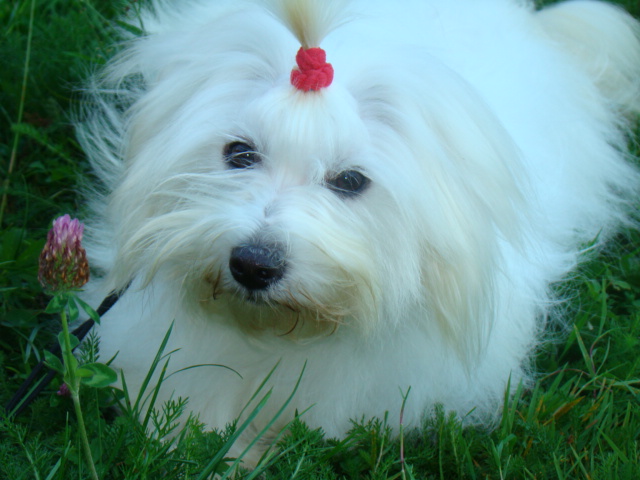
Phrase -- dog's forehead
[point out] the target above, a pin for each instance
(295, 126)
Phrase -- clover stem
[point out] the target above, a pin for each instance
(73, 382)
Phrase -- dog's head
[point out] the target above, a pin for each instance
(373, 201)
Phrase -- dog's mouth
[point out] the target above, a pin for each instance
(275, 308)
(260, 299)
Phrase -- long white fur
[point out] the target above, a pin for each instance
(495, 144)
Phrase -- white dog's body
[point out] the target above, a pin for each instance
(492, 138)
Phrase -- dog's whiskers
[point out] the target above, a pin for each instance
(295, 324)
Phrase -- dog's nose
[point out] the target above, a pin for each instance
(256, 267)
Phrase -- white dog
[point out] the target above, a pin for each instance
(393, 217)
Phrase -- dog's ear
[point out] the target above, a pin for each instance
(605, 40)
(472, 203)
(462, 299)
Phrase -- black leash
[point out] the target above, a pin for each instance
(29, 390)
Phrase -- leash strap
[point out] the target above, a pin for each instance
(30, 388)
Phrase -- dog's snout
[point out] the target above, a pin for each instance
(256, 267)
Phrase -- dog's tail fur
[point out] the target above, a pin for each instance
(605, 40)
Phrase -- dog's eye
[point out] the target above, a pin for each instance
(348, 182)
(240, 155)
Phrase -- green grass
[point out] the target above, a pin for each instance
(581, 420)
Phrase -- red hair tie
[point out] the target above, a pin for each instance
(313, 72)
